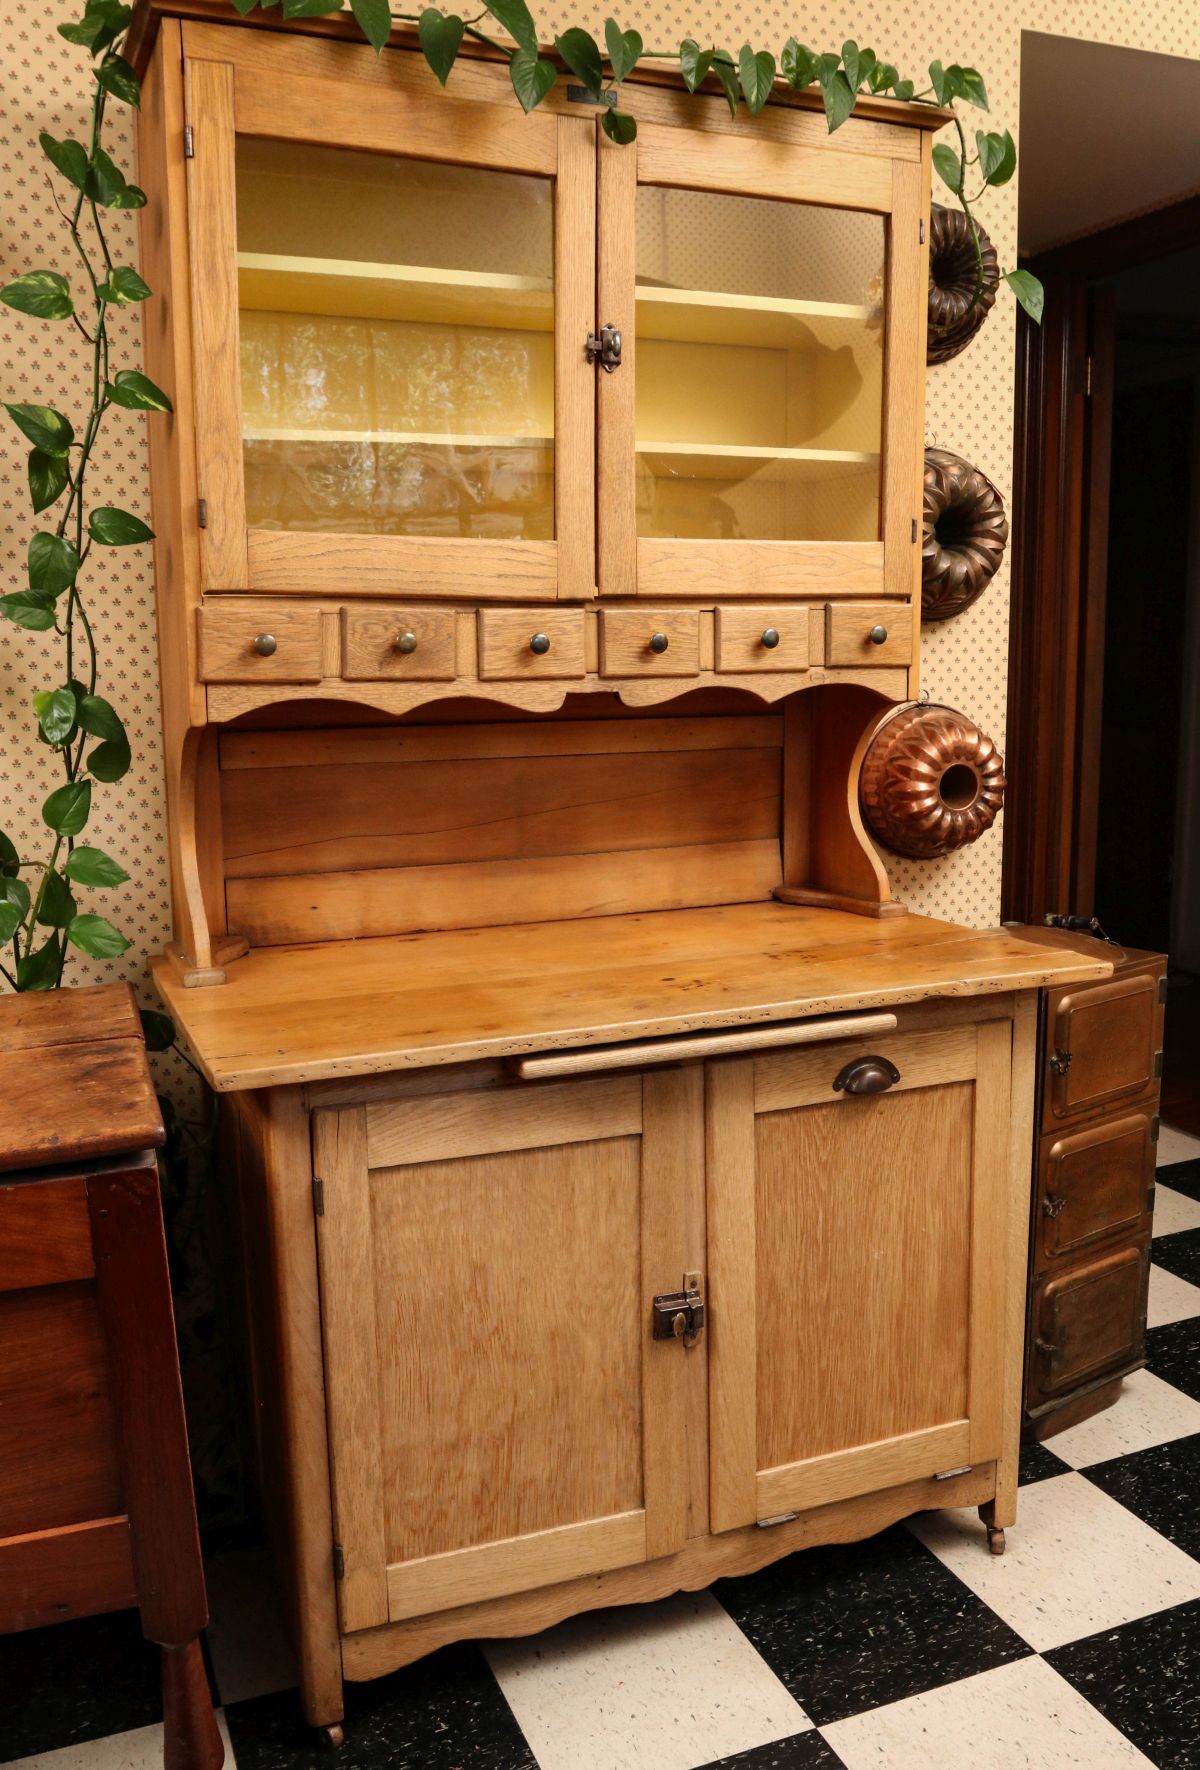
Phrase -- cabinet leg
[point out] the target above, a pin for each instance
(996, 1541)
(331, 1736)
(190, 1737)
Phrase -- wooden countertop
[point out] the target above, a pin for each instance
(310, 1013)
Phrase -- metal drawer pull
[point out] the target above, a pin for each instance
(770, 637)
(878, 635)
(406, 642)
(265, 645)
(659, 642)
(540, 644)
(866, 1075)
(712, 1044)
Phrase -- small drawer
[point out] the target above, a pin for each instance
(517, 643)
(1088, 1324)
(1093, 1184)
(259, 642)
(865, 633)
(1103, 1044)
(398, 644)
(649, 642)
(769, 637)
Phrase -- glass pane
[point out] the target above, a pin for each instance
(759, 368)
(397, 345)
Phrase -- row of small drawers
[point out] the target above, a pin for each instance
(259, 641)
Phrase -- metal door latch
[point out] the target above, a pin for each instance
(1060, 1062)
(679, 1315)
(605, 348)
(1052, 1204)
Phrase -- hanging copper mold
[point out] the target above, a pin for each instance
(931, 782)
(965, 534)
(954, 316)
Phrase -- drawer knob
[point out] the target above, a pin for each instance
(539, 645)
(265, 645)
(878, 635)
(770, 637)
(866, 1075)
(406, 642)
(659, 642)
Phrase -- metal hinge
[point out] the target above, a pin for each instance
(319, 1197)
(1155, 1122)
(339, 1562)
(1156, 1072)
(921, 231)
(189, 142)
(780, 1518)
(914, 528)
(1060, 1062)
(202, 512)
(1087, 379)
(1162, 992)
(949, 1474)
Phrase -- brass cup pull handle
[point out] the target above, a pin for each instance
(539, 645)
(866, 1075)
(265, 645)
(659, 642)
(770, 637)
(406, 642)
(878, 635)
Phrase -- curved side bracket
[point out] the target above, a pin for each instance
(201, 948)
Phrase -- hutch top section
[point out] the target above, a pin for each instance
(431, 357)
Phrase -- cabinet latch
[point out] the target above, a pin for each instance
(604, 347)
(1060, 1062)
(679, 1315)
(1052, 1204)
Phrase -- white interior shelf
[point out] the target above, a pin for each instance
(700, 316)
(738, 461)
(345, 288)
(260, 433)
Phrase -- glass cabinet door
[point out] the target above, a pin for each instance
(747, 433)
(386, 407)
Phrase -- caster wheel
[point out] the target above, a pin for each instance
(332, 1736)
(995, 1539)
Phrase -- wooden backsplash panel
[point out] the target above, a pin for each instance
(385, 831)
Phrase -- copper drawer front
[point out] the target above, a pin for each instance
(1088, 1324)
(1094, 1183)
(1103, 1043)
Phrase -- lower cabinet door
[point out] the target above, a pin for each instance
(857, 1267)
(1093, 1185)
(500, 1415)
(1088, 1324)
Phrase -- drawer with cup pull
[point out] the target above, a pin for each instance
(398, 644)
(649, 642)
(267, 641)
(865, 633)
(515, 643)
(765, 637)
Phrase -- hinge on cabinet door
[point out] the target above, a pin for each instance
(949, 1474)
(779, 1518)
(202, 512)
(921, 234)
(319, 1197)
(1155, 1122)
(914, 529)
(1156, 1072)
(189, 142)
(1162, 992)
(1087, 378)
(339, 1562)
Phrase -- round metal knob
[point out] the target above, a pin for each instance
(877, 635)
(658, 642)
(540, 644)
(406, 642)
(770, 637)
(265, 645)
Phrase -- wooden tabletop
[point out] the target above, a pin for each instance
(74, 1082)
(309, 1013)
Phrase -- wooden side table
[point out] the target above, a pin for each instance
(96, 1504)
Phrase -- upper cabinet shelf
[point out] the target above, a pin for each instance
(276, 282)
(702, 316)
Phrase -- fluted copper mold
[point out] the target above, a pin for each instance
(965, 534)
(931, 782)
(954, 318)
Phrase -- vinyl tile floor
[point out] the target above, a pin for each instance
(914, 1650)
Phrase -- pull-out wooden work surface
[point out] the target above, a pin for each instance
(308, 1013)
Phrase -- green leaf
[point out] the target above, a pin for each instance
(53, 564)
(756, 72)
(882, 75)
(105, 180)
(723, 68)
(91, 866)
(48, 477)
(66, 810)
(374, 21)
(57, 905)
(110, 761)
(947, 165)
(904, 90)
(158, 1030)
(624, 49)
(96, 937)
(799, 65)
(130, 196)
(441, 38)
(67, 157)
(942, 85)
(135, 391)
(28, 609)
(620, 127)
(581, 53)
(838, 95)
(866, 67)
(14, 906)
(46, 429)
(999, 162)
(55, 711)
(117, 528)
(531, 78)
(972, 87)
(101, 24)
(516, 19)
(116, 76)
(694, 63)
(40, 970)
(309, 8)
(244, 8)
(9, 858)
(98, 719)
(123, 285)
(850, 63)
(43, 293)
(1028, 291)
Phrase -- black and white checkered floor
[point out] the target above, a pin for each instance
(913, 1651)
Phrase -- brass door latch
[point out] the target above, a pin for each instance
(605, 348)
(679, 1315)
